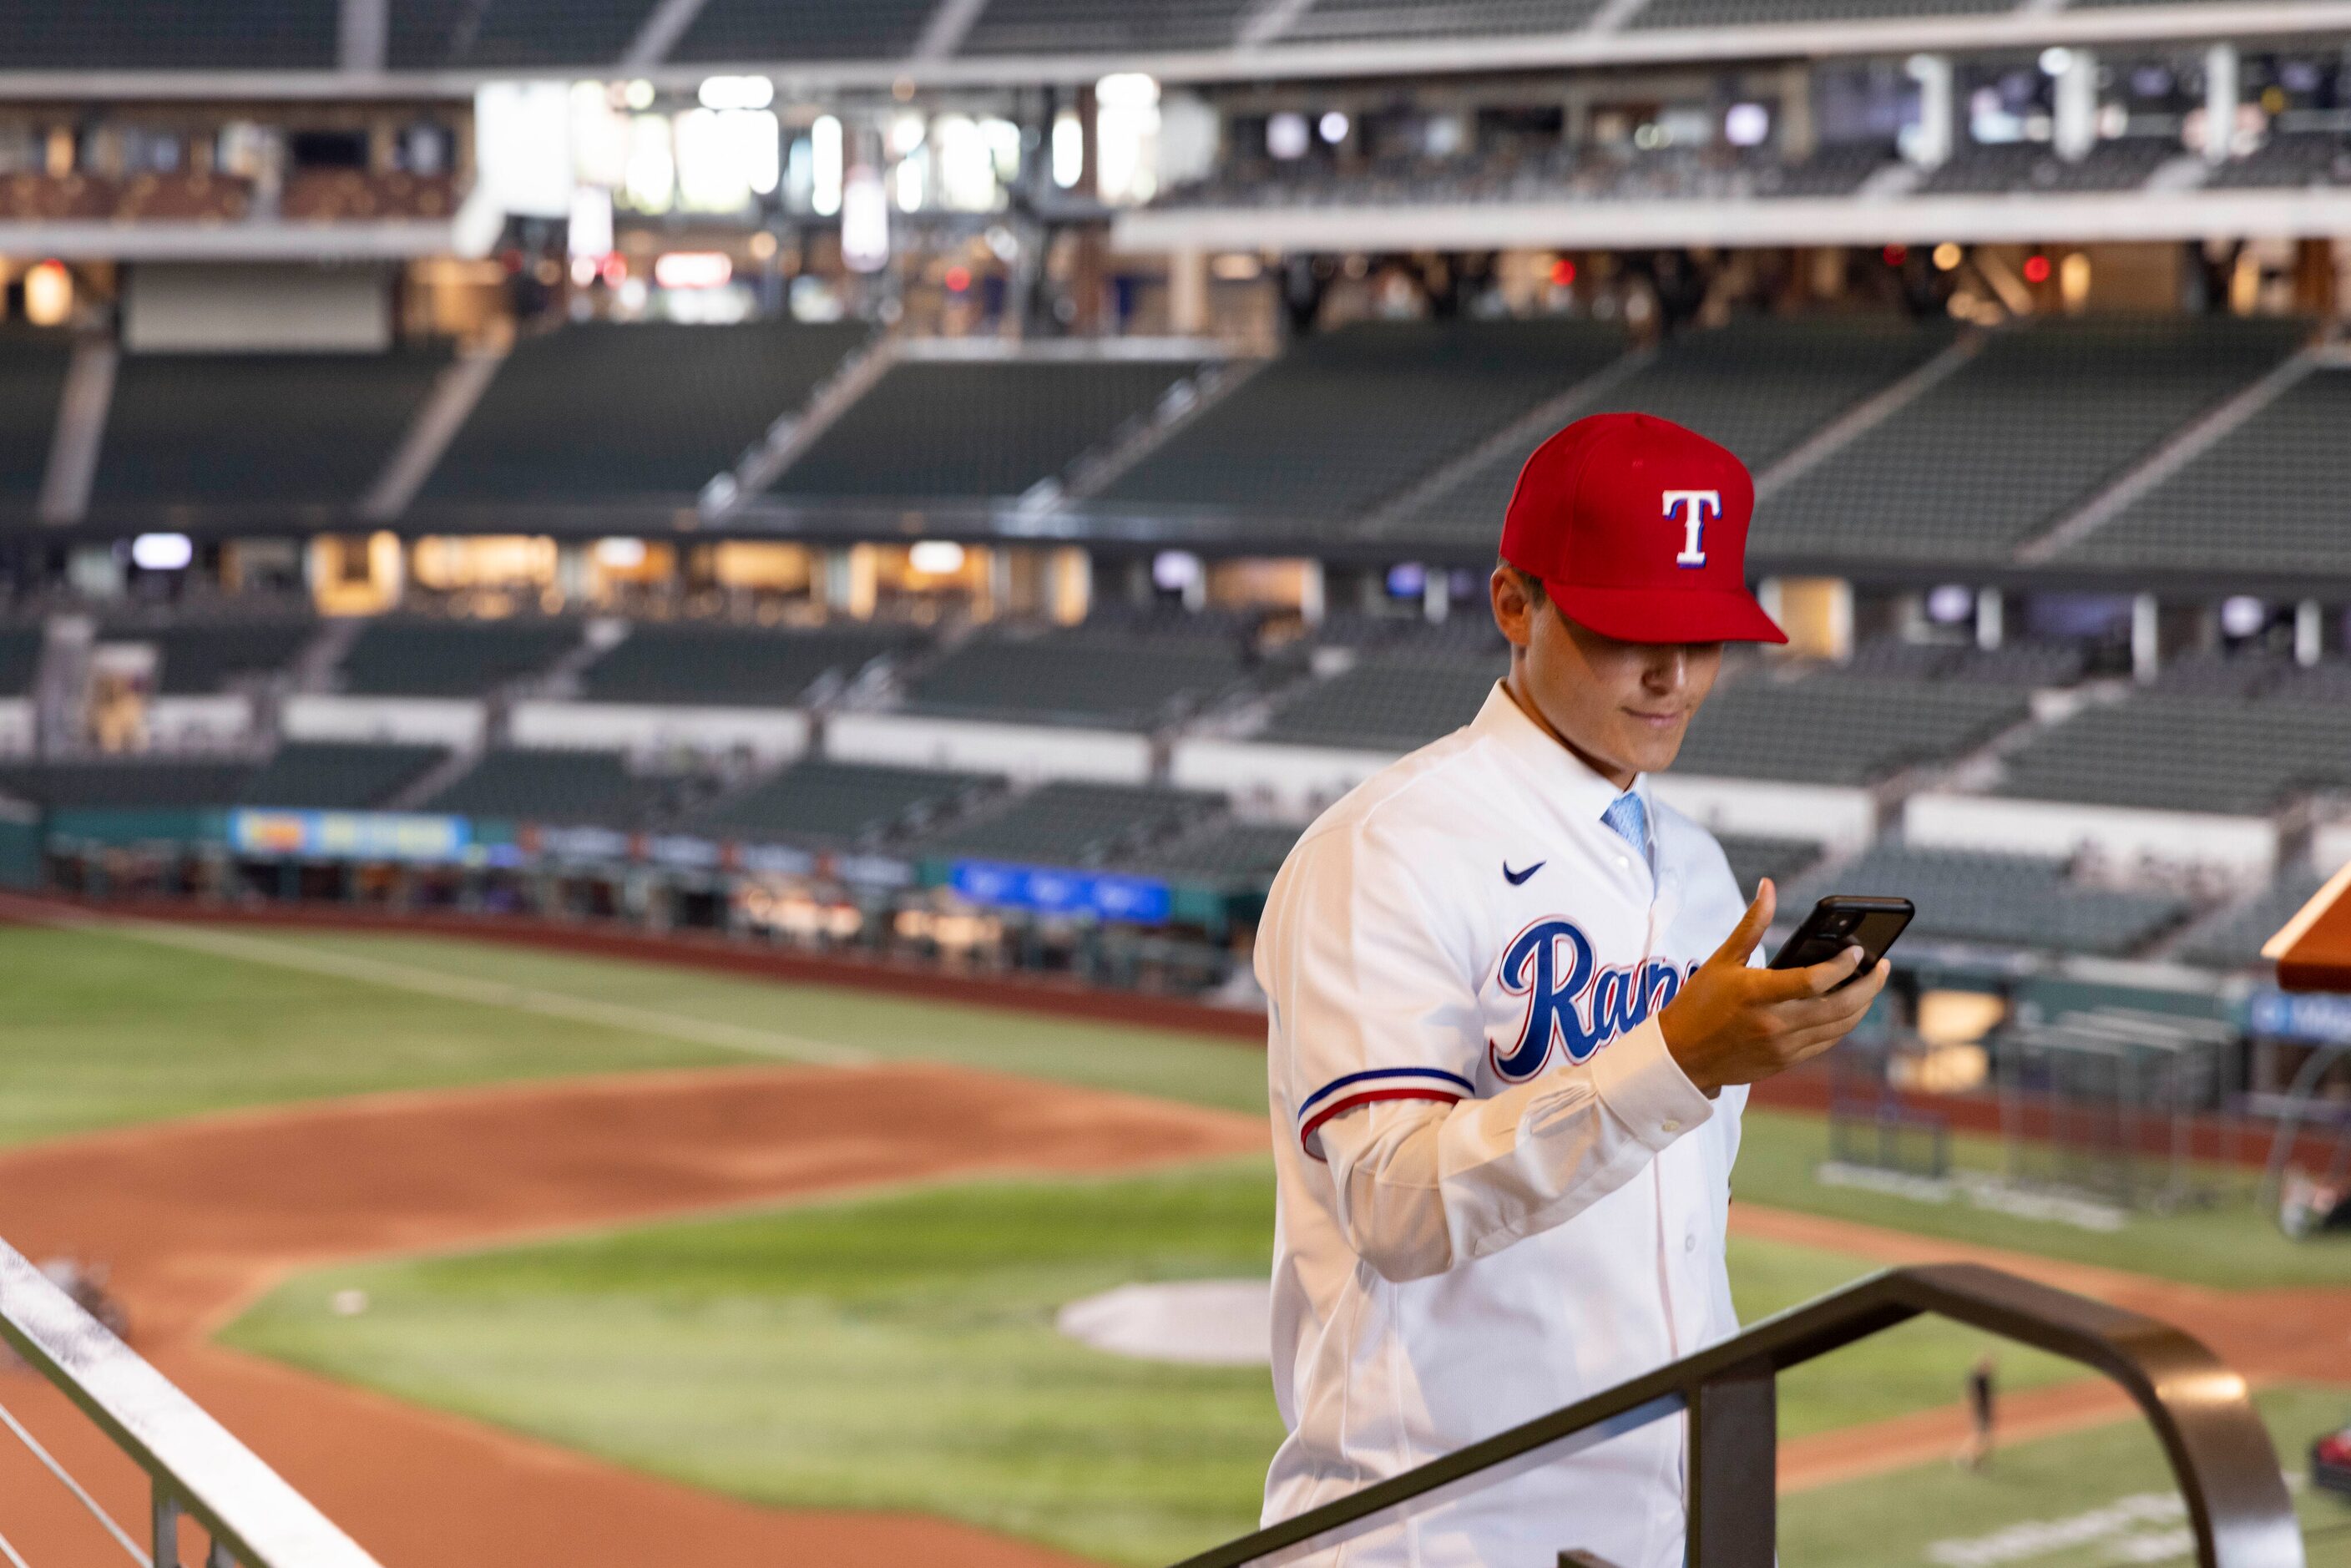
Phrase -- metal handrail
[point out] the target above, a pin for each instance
(193, 1465)
(2237, 1506)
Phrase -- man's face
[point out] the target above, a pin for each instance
(1623, 706)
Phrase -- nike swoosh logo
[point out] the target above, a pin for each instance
(1516, 877)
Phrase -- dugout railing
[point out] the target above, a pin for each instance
(247, 1515)
(2239, 1508)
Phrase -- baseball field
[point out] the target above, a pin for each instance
(469, 1237)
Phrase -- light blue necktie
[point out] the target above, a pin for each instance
(1631, 820)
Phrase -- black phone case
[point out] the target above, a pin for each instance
(1877, 923)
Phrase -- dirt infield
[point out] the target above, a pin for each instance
(198, 1218)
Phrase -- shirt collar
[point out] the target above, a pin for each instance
(1566, 779)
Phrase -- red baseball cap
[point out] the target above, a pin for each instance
(1637, 528)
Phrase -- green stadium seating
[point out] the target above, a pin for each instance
(1344, 420)
(2043, 418)
(645, 412)
(1841, 729)
(314, 429)
(1758, 385)
(2267, 497)
(2166, 751)
(1086, 677)
(975, 428)
(1073, 824)
(1388, 701)
(336, 775)
(2022, 901)
(592, 787)
(832, 805)
(730, 666)
(451, 658)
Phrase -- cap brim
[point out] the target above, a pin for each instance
(1667, 614)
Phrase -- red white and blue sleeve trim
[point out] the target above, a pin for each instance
(1342, 1094)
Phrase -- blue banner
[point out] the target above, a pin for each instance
(1051, 890)
(2315, 1016)
(348, 835)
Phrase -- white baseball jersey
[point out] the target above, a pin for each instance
(1462, 940)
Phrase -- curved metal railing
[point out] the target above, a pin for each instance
(249, 1516)
(2237, 1506)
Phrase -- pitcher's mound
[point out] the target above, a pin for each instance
(1199, 1323)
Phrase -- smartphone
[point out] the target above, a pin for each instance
(1845, 920)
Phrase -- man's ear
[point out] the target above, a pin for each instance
(1514, 608)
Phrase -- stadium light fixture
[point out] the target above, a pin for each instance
(162, 552)
(2056, 61)
(2241, 615)
(1947, 256)
(1950, 603)
(935, 558)
(1333, 127)
(621, 554)
(1286, 136)
(49, 294)
(1746, 124)
(736, 92)
(864, 221)
(693, 270)
(1173, 571)
(825, 151)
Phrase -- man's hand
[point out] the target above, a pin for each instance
(1733, 1024)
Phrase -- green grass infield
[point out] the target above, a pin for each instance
(897, 1352)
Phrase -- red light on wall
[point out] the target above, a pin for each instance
(958, 279)
(1563, 273)
(1896, 255)
(2036, 269)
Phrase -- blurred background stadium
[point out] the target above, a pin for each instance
(931, 495)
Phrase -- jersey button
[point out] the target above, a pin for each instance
(1669, 1126)
(1689, 1242)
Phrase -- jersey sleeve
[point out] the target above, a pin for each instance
(1371, 996)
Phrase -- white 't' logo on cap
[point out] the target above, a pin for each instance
(1696, 506)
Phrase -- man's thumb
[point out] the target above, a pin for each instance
(1751, 928)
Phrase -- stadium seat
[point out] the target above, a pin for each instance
(449, 658)
(20, 658)
(32, 377)
(1055, 26)
(1084, 677)
(171, 36)
(1073, 824)
(1345, 419)
(2014, 901)
(2037, 422)
(2267, 497)
(823, 804)
(195, 659)
(1758, 385)
(249, 428)
(1754, 859)
(2198, 752)
(455, 34)
(1388, 700)
(2122, 163)
(593, 787)
(1832, 727)
(1218, 851)
(975, 429)
(1761, 13)
(637, 412)
(1349, 20)
(2231, 937)
(726, 32)
(2287, 158)
(159, 783)
(731, 666)
(336, 775)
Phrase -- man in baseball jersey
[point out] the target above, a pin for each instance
(1512, 1015)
